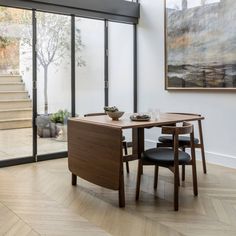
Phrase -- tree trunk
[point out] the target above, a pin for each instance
(184, 4)
(46, 90)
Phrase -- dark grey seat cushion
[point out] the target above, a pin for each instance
(165, 156)
(183, 140)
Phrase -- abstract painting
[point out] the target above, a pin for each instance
(200, 41)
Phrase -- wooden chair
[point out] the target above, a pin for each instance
(170, 158)
(184, 142)
(124, 143)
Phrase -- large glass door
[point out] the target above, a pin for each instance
(36, 54)
(89, 71)
(121, 64)
(15, 84)
(53, 81)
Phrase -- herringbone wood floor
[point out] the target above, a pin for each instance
(38, 199)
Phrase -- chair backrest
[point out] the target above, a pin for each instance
(95, 114)
(187, 114)
(199, 122)
(187, 128)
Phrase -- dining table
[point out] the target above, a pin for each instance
(95, 146)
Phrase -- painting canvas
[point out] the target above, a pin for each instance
(200, 44)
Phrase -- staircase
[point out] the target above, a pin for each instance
(15, 104)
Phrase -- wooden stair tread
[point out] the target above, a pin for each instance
(11, 83)
(15, 103)
(14, 110)
(10, 75)
(13, 91)
(16, 100)
(18, 119)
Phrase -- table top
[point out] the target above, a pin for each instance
(125, 122)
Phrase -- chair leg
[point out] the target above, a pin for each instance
(126, 153)
(73, 179)
(125, 148)
(202, 147)
(183, 166)
(194, 168)
(140, 167)
(178, 181)
(176, 187)
(127, 167)
(183, 172)
(156, 176)
(203, 159)
(176, 196)
(194, 172)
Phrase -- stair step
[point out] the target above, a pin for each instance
(8, 95)
(14, 86)
(10, 78)
(16, 123)
(15, 104)
(15, 114)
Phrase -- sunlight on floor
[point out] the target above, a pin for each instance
(17, 143)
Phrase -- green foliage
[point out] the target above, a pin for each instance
(4, 42)
(111, 109)
(60, 116)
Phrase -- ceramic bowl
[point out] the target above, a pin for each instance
(115, 115)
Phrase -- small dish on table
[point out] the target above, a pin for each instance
(114, 113)
(140, 117)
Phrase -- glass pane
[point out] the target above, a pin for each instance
(54, 81)
(15, 83)
(121, 66)
(89, 66)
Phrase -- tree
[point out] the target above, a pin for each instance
(53, 44)
(53, 39)
(9, 42)
(4, 16)
(184, 4)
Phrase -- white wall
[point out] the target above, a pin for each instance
(219, 108)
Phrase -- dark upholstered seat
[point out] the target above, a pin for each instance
(170, 157)
(165, 156)
(183, 140)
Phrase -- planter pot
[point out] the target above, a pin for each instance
(45, 128)
(62, 135)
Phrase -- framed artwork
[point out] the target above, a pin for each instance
(200, 44)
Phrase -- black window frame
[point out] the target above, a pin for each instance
(72, 12)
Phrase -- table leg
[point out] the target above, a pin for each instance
(73, 179)
(138, 143)
(122, 189)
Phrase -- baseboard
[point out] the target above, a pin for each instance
(211, 157)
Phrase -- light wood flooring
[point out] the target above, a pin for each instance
(38, 199)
